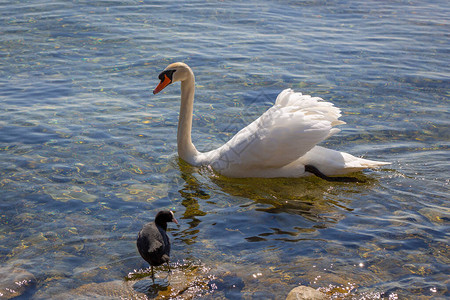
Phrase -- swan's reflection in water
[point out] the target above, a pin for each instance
(302, 205)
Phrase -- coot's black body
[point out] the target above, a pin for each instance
(153, 243)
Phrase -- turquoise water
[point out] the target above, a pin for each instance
(88, 154)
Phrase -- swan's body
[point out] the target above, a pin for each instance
(280, 143)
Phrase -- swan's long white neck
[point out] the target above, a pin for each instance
(186, 149)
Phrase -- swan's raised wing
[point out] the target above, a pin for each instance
(285, 132)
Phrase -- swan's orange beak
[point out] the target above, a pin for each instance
(165, 82)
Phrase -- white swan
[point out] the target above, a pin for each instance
(280, 143)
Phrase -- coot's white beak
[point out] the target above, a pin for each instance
(173, 219)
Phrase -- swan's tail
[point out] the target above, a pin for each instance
(331, 162)
(362, 163)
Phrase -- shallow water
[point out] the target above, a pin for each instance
(88, 154)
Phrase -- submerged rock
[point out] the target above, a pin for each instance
(184, 282)
(144, 192)
(437, 216)
(116, 289)
(73, 192)
(231, 285)
(14, 281)
(305, 293)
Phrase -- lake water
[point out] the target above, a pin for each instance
(88, 154)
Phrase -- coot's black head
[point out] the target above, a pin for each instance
(165, 216)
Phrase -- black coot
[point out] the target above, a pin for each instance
(153, 243)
